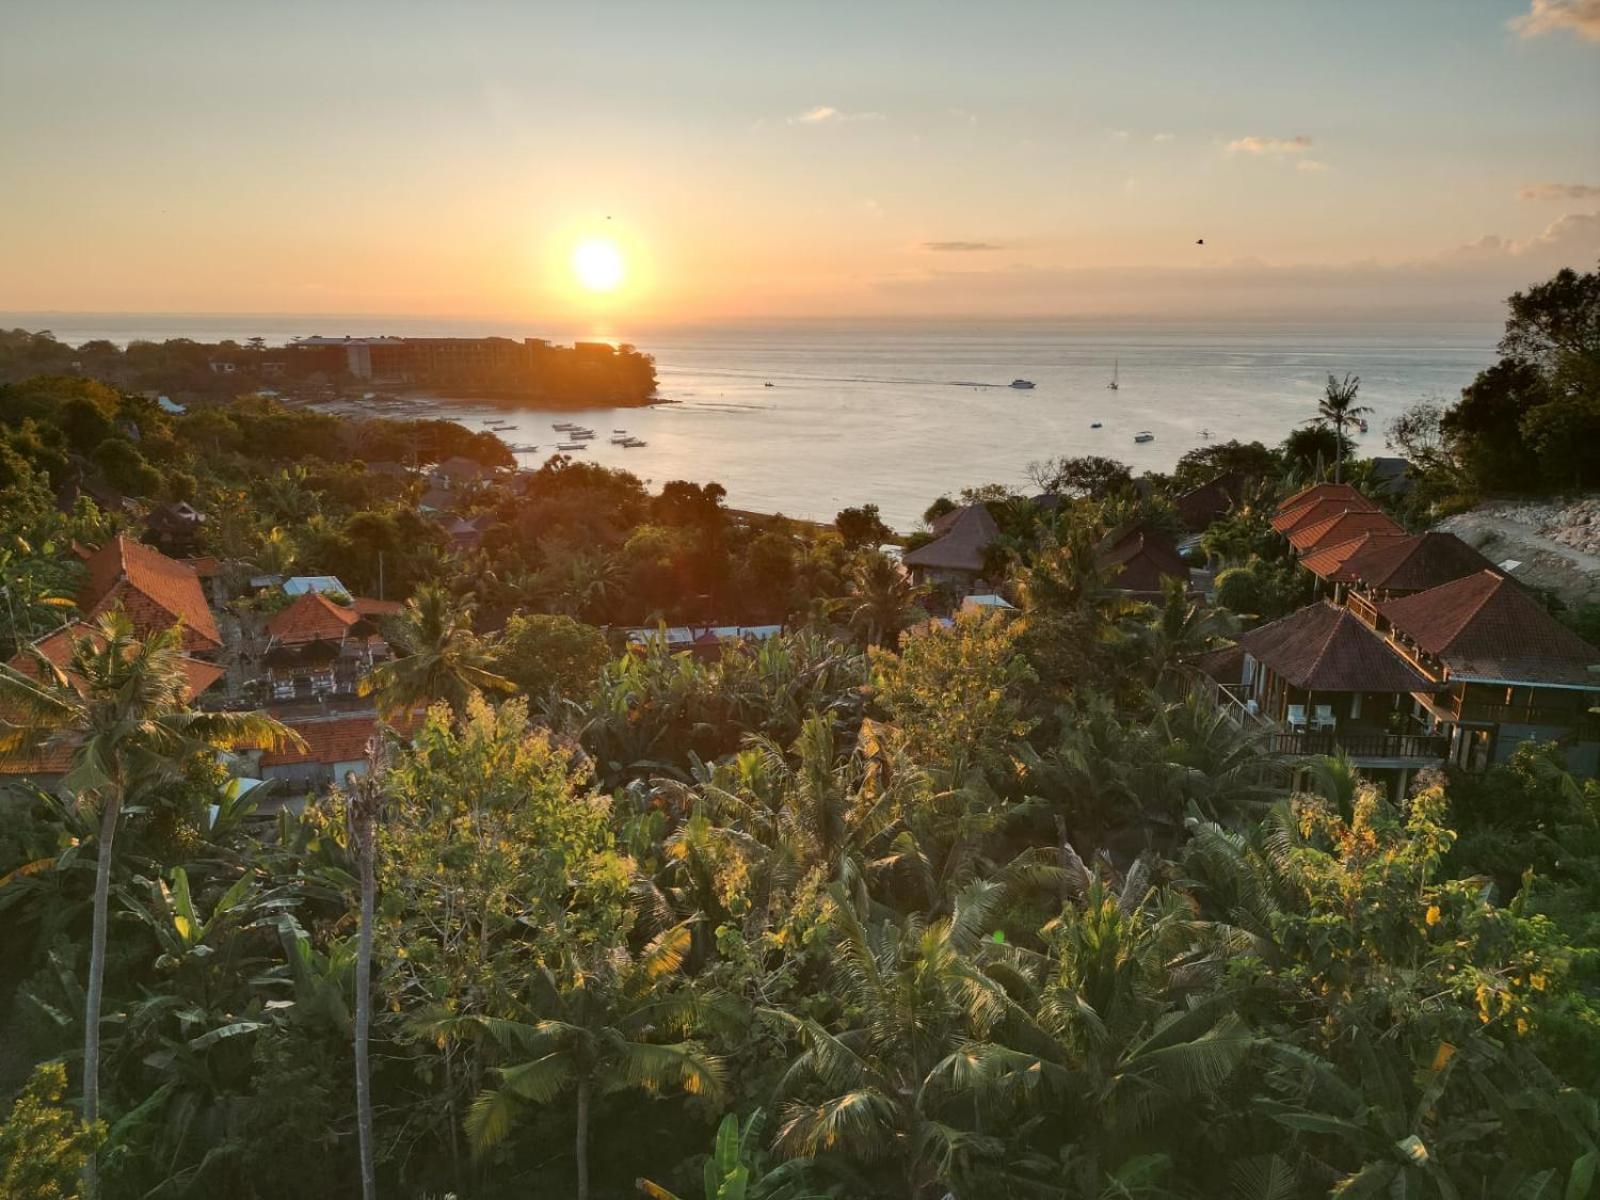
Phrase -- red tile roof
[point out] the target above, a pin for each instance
(969, 533)
(1331, 560)
(55, 757)
(1141, 559)
(1320, 509)
(1416, 563)
(332, 740)
(154, 590)
(1486, 627)
(1340, 527)
(366, 606)
(1319, 491)
(311, 617)
(206, 566)
(1326, 648)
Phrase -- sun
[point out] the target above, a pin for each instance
(597, 265)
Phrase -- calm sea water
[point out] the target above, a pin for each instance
(897, 414)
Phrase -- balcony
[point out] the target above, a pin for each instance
(1564, 717)
(1361, 745)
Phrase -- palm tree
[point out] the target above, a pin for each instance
(598, 1030)
(1338, 408)
(122, 706)
(441, 658)
(1182, 628)
(364, 797)
(882, 601)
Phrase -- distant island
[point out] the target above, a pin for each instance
(531, 373)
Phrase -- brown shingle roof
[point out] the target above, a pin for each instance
(1340, 527)
(367, 606)
(1326, 648)
(154, 590)
(310, 617)
(1485, 626)
(1142, 558)
(1200, 506)
(1320, 509)
(1416, 563)
(1331, 560)
(969, 535)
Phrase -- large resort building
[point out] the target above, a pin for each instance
(1424, 653)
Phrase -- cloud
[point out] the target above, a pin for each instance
(1582, 17)
(960, 247)
(1120, 135)
(825, 113)
(1266, 145)
(1310, 164)
(1557, 191)
(1565, 241)
(1164, 137)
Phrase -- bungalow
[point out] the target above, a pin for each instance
(1330, 562)
(1402, 566)
(1320, 681)
(174, 527)
(335, 746)
(460, 472)
(1333, 528)
(1201, 507)
(156, 592)
(1140, 560)
(318, 648)
(956, 558)
(1501, 670)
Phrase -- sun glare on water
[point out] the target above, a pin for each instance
(597, 265)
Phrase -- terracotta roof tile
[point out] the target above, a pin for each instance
(1416, 563)
(1320, 509)
(1319, 491)
(1340, 527)
(1331, 560)
(332, 740)
(1485, 626)
(1326, 648)
(1142, 558)
(154, 590)
(366, 606)
(310, 617)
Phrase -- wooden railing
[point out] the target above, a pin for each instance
(1525, 714)
(1431, 747)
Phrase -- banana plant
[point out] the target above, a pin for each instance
(735, 1169)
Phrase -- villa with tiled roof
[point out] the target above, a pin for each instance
(155, 591)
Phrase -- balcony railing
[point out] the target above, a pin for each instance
(1422, 746)
(1525, 714)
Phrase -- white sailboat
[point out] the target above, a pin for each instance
(1115, 366)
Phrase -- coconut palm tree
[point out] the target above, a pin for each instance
(1338, 408)
(882, 601)
(122, 707)
(1182, 628)
(598, 1027)
(440, 657)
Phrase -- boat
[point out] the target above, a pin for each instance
(619, 431)
(621, 441)
(767, 384)
(1115, 366)
(523, 448)
(1144, 435)
(572, 446)
(1022, 385)
(500, 428)
(634, 443)
(1094, 424)
(580, 435)
(563, 426)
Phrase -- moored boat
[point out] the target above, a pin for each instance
(1022, 385)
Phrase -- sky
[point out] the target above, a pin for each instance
(796, 160)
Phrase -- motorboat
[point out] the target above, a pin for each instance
(572, 446)
(1144, 435)
(1094, 424)
(563, 426)
(634, 443)
(1022, 385)
(767, 384)
(523, 448)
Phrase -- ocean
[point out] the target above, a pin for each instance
(899, 413)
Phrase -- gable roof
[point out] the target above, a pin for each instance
(1326, 648)
(1415, 563)
(968, 534)
(1341, 527)
(330, 740)
(154, 590)
(1143, 558)
(1486, 627)
(1331, 560)
(55, 756)
(310, 617)
(1200, 506)
(1320, 509)
(1319, 491)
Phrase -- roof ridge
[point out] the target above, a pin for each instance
(1477, 608)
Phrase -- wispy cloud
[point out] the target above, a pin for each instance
(1557, 191)
(1581, 17)
(960, 247)
(1164, 137)
(1298, 144)
(1310, 165)
(1120, 135)
(825, 113)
